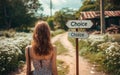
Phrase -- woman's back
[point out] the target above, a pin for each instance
(42, 53)
(42, 64)
(42, 67)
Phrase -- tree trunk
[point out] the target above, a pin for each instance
(7, 18)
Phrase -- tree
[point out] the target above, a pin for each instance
(50, 22)
(62, 16)
(90, 5)
(94, 5)
(17, 13)
(33, 6)
(114, 4)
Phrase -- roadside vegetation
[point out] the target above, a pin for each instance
(12, 49)
(63, 68)
(56, 32)
(60, 48)
(102, 51)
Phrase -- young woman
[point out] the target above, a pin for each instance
(41, 52)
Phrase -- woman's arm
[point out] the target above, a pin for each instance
(27, 61)
(54, 65)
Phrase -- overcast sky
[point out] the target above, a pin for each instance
(59, 4)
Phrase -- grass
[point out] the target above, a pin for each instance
(56, 32)
(62, 67)
(60, 48)
(72, 40)
(94, 58)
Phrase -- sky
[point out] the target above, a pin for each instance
(59, 4)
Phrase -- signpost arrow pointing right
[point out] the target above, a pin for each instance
(79, 24)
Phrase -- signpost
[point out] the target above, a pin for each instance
(78, 24)
(81, 35)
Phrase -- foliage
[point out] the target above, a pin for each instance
(8, 33)
(56, 32)
(50, 22)
(94, 5)
(103, 51)
(62, 67)
(62, 16)
(108, 4)
(116, 2)
(60, 48)
(17, 13)
(33, 6)
(89, 5)
(12, 51)
(112, 59)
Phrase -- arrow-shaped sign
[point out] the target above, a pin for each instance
(78, 34)
(79, 24)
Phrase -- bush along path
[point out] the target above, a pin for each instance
(12, 51)
(22, 71)
(85, 68)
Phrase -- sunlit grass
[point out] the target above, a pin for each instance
(92, 57)
(56, 32)
(60, 48)
(62, 67)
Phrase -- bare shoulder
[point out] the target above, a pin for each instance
(54, 46)
(28, 46)
(54, 49)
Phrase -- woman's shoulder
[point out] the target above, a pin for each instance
(28, 46)
(54, 46)
(54, 49)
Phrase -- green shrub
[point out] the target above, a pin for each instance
(56, 32)
(50, 21)
(112, 59)
(63, 68)
(12, 51)
(8, 34)
(103, 51)
(60, 48)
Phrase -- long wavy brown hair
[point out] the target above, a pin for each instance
(41, 43)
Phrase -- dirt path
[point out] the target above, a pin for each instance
(84, 67)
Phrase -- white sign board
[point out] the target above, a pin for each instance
(79, 24)
(81, 35)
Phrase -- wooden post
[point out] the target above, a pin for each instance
(102, 17)
(74, 24)
(77, 56)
